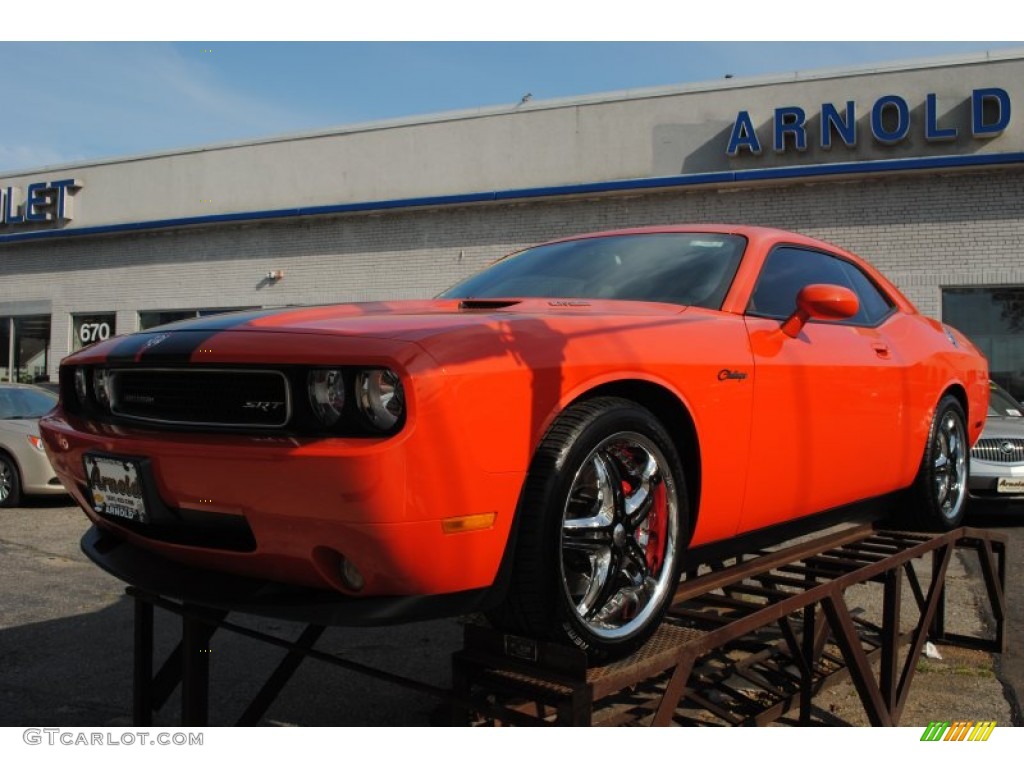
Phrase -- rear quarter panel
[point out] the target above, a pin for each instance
(936, 365)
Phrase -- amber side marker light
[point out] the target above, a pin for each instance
(469, 523)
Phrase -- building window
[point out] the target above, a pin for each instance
(993, 318)
(24, 348)
(149, 320)
(88, 329)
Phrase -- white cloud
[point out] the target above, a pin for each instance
(15, 157)
(82, 100)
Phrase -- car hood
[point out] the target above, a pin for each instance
(19, 426)
(399, 321)
(412, 320)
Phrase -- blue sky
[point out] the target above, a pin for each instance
(71, 101)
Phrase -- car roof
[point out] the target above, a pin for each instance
(751, 232)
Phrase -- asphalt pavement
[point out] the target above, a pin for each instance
(66, 631)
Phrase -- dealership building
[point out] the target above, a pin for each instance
(918, 166)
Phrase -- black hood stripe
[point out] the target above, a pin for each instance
(175, 347)
(128, 348)
(177, 342)
(221, 322)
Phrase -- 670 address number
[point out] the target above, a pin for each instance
(89, 333)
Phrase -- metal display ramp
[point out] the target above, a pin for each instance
(750, 642)
(747, 642)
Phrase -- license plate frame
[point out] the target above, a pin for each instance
(1010, 485)
(116, 487)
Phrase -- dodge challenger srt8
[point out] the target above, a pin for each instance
(550, 435)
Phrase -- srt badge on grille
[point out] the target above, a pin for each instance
(265, 406)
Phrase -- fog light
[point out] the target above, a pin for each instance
(350, 576)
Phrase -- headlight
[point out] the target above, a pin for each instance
(326, 394)
(101, 386)
(380, 397)
(37, 442)
(81, 386)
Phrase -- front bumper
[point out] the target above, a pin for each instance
(196, 586)
(987, 476)
(293, 510)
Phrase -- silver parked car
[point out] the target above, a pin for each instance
(997, 461)
(24, 467)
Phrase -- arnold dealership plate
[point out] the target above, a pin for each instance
(115, 487)
(1010, 485)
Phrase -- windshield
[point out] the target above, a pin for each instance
(677, 268)
(16, 403)
(1001, 404)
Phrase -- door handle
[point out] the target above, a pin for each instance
(882, 350)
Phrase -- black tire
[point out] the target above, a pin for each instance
(939, 493)
(603, 522)
(10, 482)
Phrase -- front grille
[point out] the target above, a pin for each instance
(999, 450)
(202, 397)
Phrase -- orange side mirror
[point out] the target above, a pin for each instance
(821, 302)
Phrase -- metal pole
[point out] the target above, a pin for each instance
(195, 671)
(142, 697)
(938, 625)
(889, 672)
(10, 349)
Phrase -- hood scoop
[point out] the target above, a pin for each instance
(487, 303)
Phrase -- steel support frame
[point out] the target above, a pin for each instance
(826, 567)
(188, 664)
(522, 681)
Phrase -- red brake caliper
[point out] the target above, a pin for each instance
(656, 523)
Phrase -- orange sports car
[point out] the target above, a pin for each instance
(545, 440)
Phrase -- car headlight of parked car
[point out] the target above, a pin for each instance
(81, 385)
(101, 387)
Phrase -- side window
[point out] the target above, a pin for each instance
(874, 305)
(785, 272)
(788, 269)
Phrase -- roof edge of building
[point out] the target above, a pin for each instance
(729, 83)
(805, 173)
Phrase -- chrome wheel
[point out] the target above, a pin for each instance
(939, 494)
(950, 464)
(603, 518)
(619, 532)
